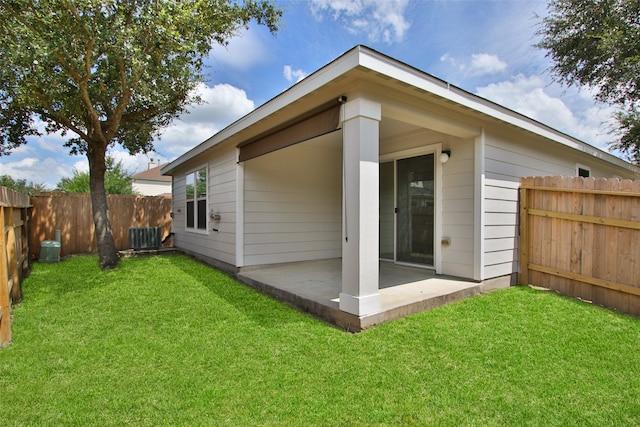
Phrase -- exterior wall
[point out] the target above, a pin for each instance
(221, 182)
(293, 203)
(150, 188)
(457, 186)
(458, 210)
(508, 158)
(501, 227)
(292, 199)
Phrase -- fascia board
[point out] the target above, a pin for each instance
(419, 79)
(364, 57)
(323, 76)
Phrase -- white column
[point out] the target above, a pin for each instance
(360, 138)
(478, 207)
(239, 212)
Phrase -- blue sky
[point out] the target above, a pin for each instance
(482, 46)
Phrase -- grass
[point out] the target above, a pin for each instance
(168, 341)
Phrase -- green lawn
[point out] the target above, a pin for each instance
(168, 341)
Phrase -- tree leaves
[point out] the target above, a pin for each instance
(117, 180)
(110, 71)
(596, 43)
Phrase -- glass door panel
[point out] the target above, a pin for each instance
(387, 209)
(415, 213)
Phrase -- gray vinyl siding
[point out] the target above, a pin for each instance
(457, 210)
(178, 208)
(457, 222)
(293, 204)
(501, 227)
(221, 200)
(506, 162)
(508, 158)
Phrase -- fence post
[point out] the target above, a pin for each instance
(523, 245)
(5, 307)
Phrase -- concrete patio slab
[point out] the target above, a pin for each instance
(315, 286)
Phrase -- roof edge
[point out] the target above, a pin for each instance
(363, 56)
(342, 64)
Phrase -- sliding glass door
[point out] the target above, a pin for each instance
(407, 210)
(387, 211)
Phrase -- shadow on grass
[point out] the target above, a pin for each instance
(73, 274)
(249, 303)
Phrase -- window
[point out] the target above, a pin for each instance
(197, 199)
(584, 172)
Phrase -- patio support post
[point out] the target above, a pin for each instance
(360, 132)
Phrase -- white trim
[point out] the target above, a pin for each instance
(197, 230)
(584, 167)
(361, 107)
(411, 152)
(478, 207)
(363, 57)
(360, 305)
(239, 211)
(360, 256)
(436, 150)
(427, 120)
(438, 207)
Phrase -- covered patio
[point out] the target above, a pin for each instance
(315, 286)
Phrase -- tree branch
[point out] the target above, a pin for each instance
(133, 116)
(50, 114)
(113, 122)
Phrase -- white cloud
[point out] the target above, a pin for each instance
(80, 166)
(293, 75)
(45, 159)
(380, 20)
(478, 64)
(223, 105)
(243, 51)
(36, 170)
(528, 96)
(483, 63)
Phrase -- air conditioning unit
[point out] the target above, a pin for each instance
(49, 251)
(145, 238)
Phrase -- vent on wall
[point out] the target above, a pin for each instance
(145, 238)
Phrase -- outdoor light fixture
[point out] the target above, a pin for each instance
(444, 156)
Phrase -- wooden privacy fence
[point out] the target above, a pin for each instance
(71, 214)
(14, 220)
(581, 237)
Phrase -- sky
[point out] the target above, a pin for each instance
(485, 47)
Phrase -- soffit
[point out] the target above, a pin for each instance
(364, 71)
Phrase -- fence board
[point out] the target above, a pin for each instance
(13, 249)
(588, 230)
(583, 238)
(72, 215)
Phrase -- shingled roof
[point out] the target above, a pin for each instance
(153, 174)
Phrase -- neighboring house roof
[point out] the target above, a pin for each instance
(153, 174)
(370, 70)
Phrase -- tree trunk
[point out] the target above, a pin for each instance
(107, 253)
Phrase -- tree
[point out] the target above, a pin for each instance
(116, 180)
(21, 185)
(596, 43)
(108, 72)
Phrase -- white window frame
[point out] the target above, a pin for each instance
(200, 224)
(580, 166)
